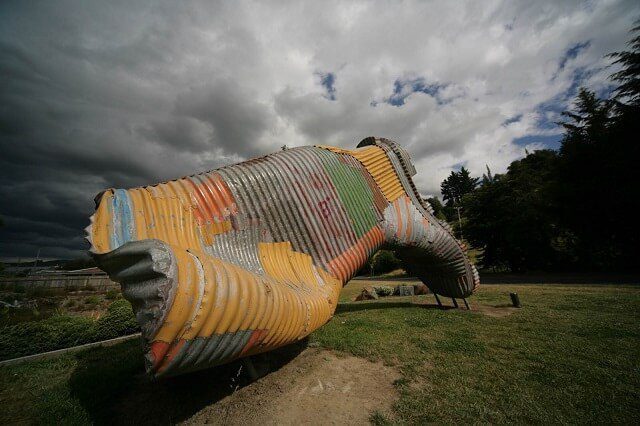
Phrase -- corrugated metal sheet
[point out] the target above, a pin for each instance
(252, 256)
(377, 163)
(427, 249)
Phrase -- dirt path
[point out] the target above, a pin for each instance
(317, 387)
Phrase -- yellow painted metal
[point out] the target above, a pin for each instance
(377, 163)
(289, 302)
(164, 212)
(101, 226)
(196, 255)
(184, 303)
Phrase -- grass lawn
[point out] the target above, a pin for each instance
(570, 355)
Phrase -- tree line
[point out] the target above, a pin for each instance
(574, 208)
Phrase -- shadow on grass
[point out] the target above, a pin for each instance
(113, 388)
(363, 306)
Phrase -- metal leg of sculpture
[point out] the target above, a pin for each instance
(455, 302)
(438, 300)
(251, 369)
(466, 304)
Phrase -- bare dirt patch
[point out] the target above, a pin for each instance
(317, 387)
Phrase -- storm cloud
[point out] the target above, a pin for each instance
(119, 94)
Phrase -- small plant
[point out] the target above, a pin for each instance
(112, 294)
(383, 290)
(92, 300)
(118, 321)
(379, 419)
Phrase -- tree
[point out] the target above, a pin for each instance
(575, 208)
(628, 91)
(438, 208)
(384, 261)
(511, 216)
(455, 186)
(1, 225)
(488, 177)
(598, 160)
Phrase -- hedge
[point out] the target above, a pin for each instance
(64, 331)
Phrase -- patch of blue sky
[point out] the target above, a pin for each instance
(510, 120)
(328, 81)
(403, 88)
(459, 166)
(549, 112)
(572, 53)
(548, 141)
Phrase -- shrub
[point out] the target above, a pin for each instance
(63, 331)
(118, 321)
(112, 294)
(92, 300)
(384, 261)
(56, 332)
(383, 290)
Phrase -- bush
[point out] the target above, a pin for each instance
(63, 331)
(92, 300)
(56, 332)
(112, 294)
(118, 321)
(384, 261)
(383, 290)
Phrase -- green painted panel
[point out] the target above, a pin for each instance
(354, 192)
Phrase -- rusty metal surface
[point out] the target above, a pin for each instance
(250, 257)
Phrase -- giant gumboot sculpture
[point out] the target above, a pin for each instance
(250, 257)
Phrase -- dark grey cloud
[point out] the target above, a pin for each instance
(119, 94)
(97, 96)
(236, 125)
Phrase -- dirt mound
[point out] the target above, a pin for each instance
(317, 387)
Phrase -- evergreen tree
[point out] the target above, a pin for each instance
(457, 185)
(628, 78)
(438, 208)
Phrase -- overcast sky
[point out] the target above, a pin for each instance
(114, 94)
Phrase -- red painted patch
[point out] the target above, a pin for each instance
(175, 348)
(356, 255)
(158, 349)
(256, 338)
(214, 201)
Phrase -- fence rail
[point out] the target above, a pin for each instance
(57, 283)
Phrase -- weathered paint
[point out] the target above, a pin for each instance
(252, 256)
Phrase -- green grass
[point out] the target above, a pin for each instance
(570, 355)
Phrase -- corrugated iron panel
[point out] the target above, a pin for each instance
(428, 250)
(240, 247)
(355, 194)
(252, 256)
(217, 308)
(377, 163)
